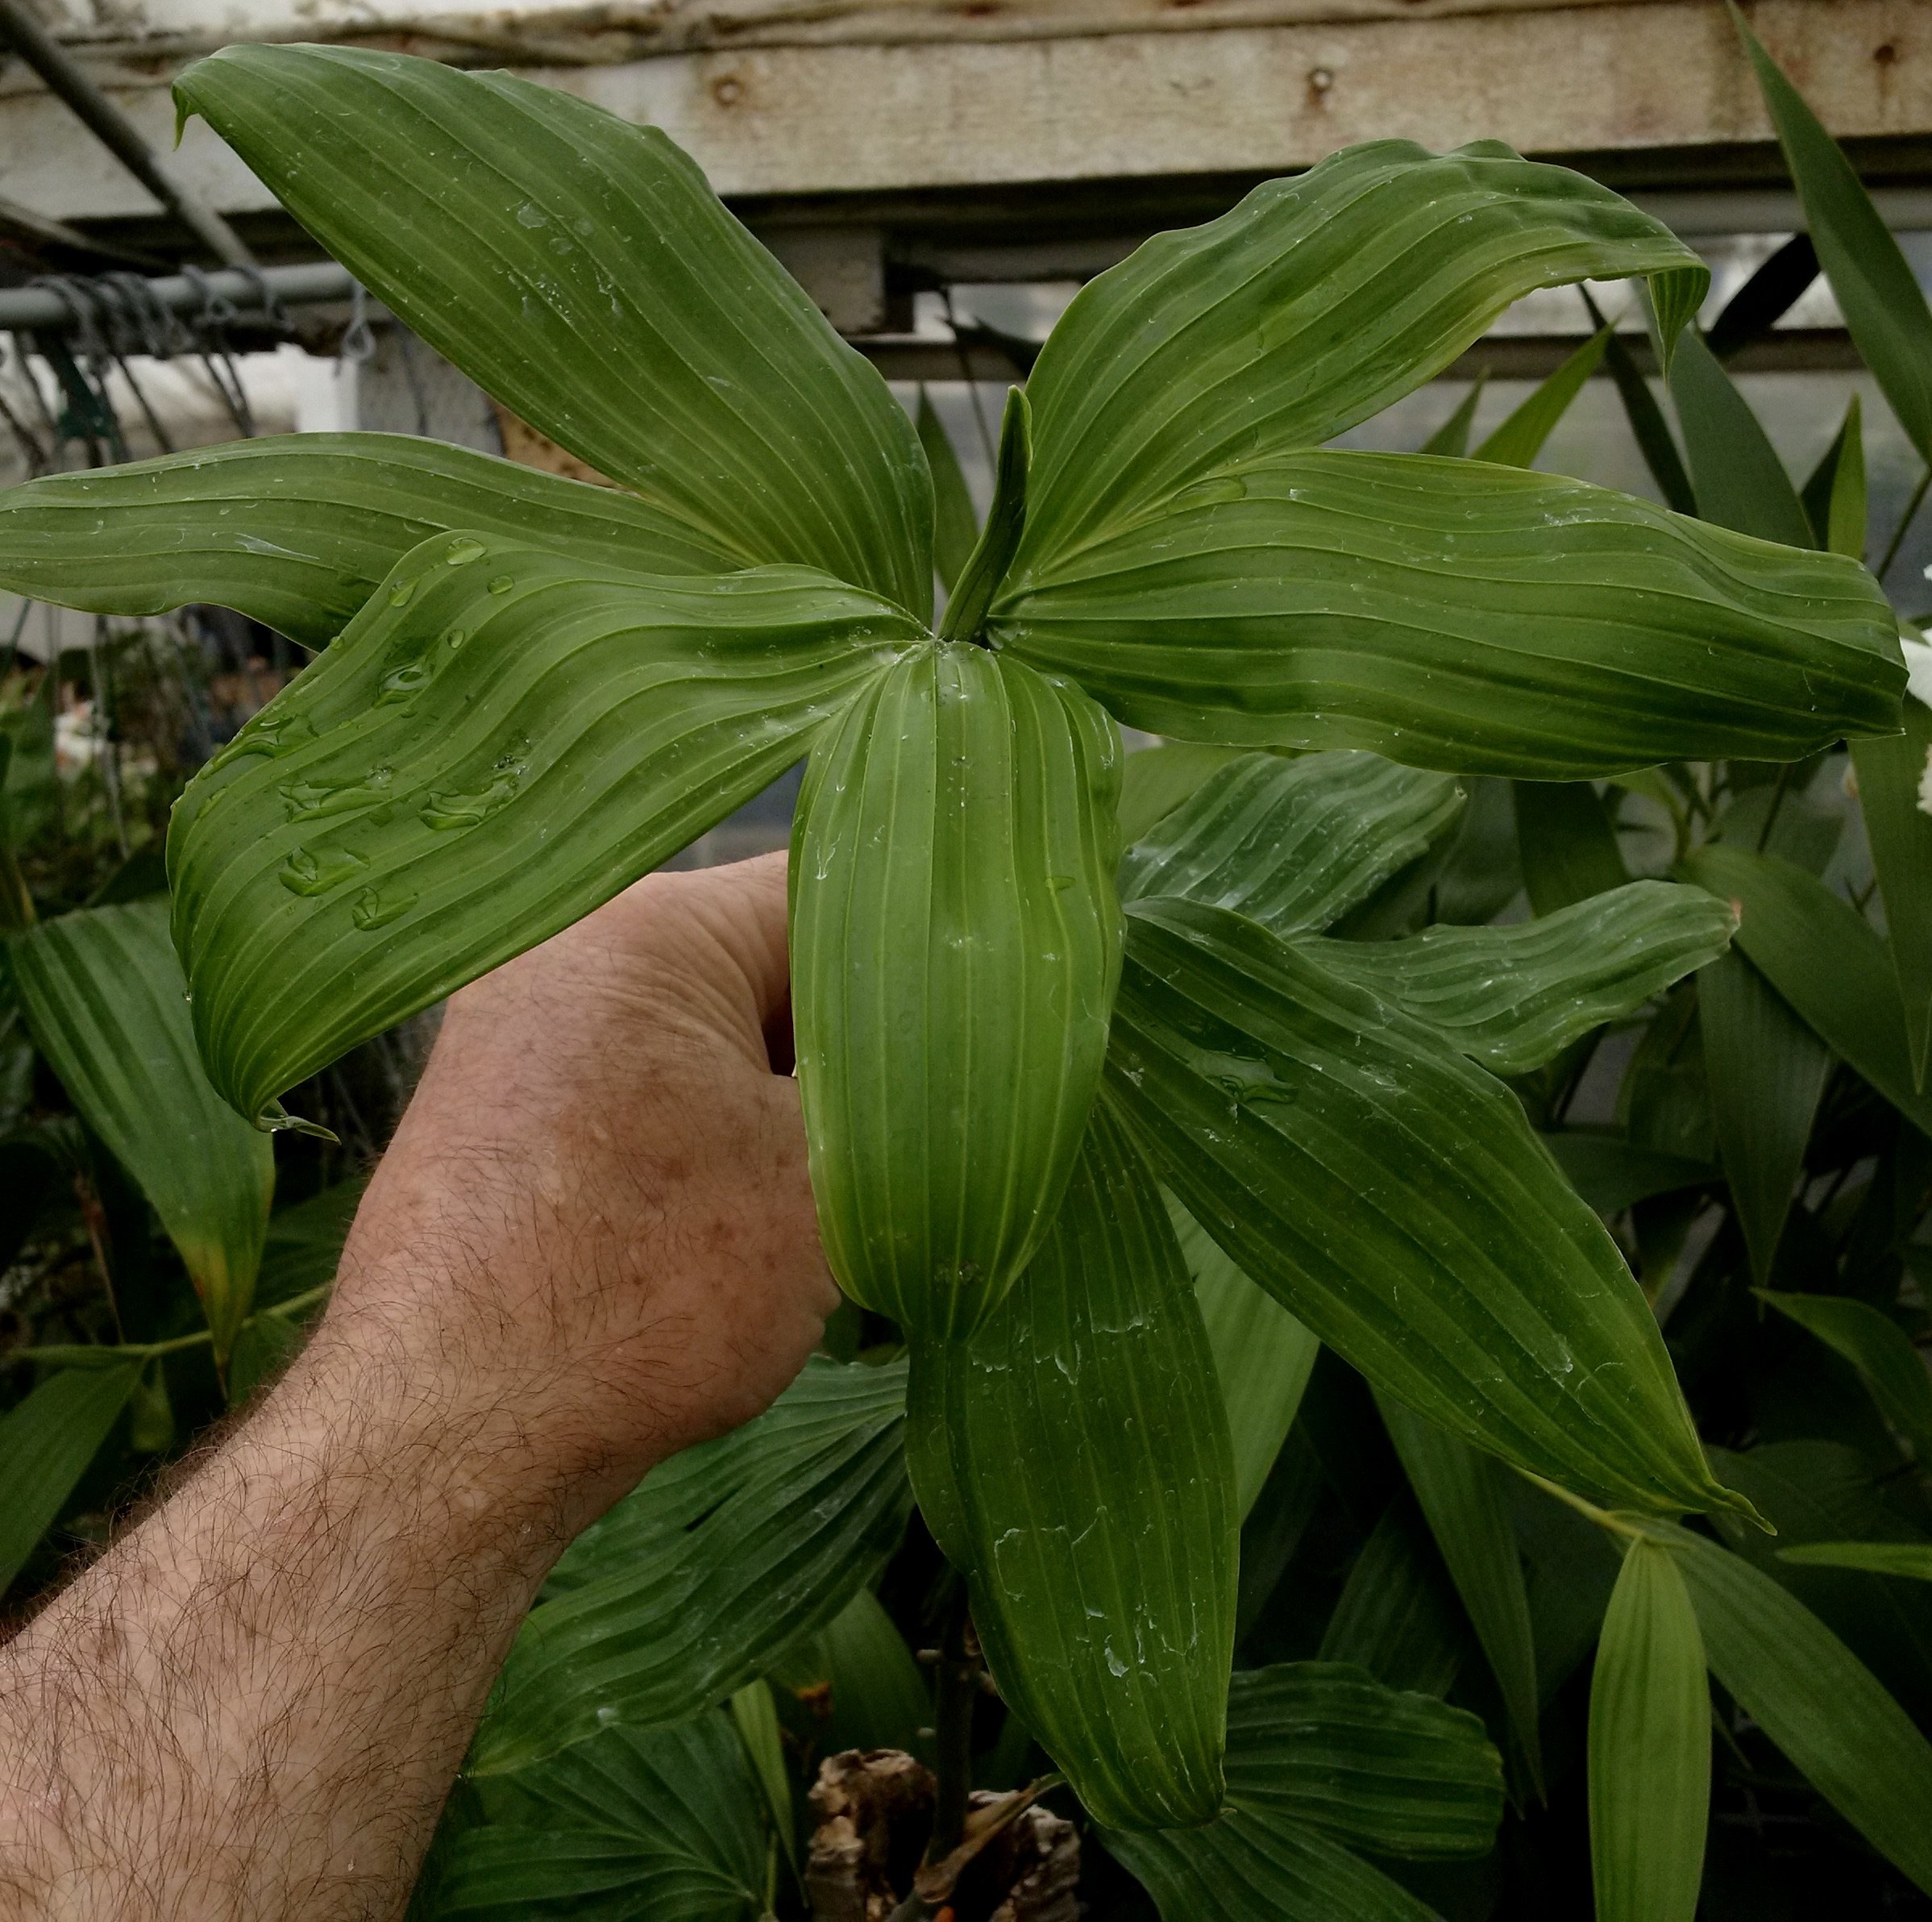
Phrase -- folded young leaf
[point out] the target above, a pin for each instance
(1091, 1479)
(47, 1441)
(1314, 304)
(718, 1561)
(1294, 844)
(1512, 998)
(992, 553)
(955, 523)
(296, 530)
(1393, 1197)
(1910, 1559)
(1880, 1350)
(582, 270)
(955, 940)
(1457, 615)
(105, 1002)
(499, 742)
(1649, 1746)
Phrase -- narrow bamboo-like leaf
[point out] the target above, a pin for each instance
(993, 552)
(1294, 844)
(105, 1001)
(297, 531)
(755, 1714)
(1835, 498)
(1568, 846)
(1512, 998)
(660, 1822)
(1314, 304)
(1740, 481)
(1457, 615)
(1875, 1345)
(1325, 1746)
(498, 743)
(46, 1444)
(580, 270)
(1655, 441)
(1885, 312)
(1910, 1559)
(1824, 959)
(1814, 1698)
(1465, 1496)
(1519, 439)
(1393, 1197)
(1891, 769)
(1154, 781)
(28, 783)
(696, 1583)
(955, 941)
(1649, 1746)
(1775, 287)
(955, 525)
(874, 1695)
(1451, 438)
(1767, 1073)
(1090, 1461)
(1397, 1616)
(1262, 1355)
(1611, 1174)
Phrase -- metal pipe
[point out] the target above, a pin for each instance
(23, 309)
(64, 77)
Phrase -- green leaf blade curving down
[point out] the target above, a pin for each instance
(46, 1444)
(1088, 1475)
(1459, 615)
(955, 941)
(298, 531)
(1294, 844)
(1649, 1745)
(1875, 1345)
(1393, 1197)
(1314, 304)
(501, 741)
(1512, 998)
(581, 270)
(721, 1558)
(106, 1004)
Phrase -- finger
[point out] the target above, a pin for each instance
(743, 906)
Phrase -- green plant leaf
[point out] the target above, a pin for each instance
(1464, 1497)
(103, 997)
(1655, 441)
(1910, 1559)
(1879, 294)
(1458, 615)
(755, 1714)
(1767, 1073)
(1397, 1616)
(1776, 286)
(1567, 847)
(955, 940)
(1649, 1746)
(1890, 769)
(1875, 1345)
(1262, 1355)
(955, 524)
(499, 742)
(1324, 1744)
(1391, 1196)
(1312, 305)
(1824, 958)
(1740, 483)
(875, 1697)
(579, 269)
(1513, 998)
(1294, 844)
(1451, 438)
(46, 1444)
(1813, 1698)
(658, 1822)
(1089, 1462)
(28, 784)
(1154, 781)
(1609, 1174)
(1519, 439)
(993, 552)
(297, 531)
(1834, 497)
(696, 1583)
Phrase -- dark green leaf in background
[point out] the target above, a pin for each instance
(1609, 1174)
(875, 1697)
(1910, 1559)
(46, 1444)
(1775, 287)
(992, 552)
(1451, 438)
(1835, 498)
(1568, 847)
(1740, 481)
(1520, 437)
(1154, 781)
(1891, 769)
(1397, 1616)
(955, 524)
(1654, 440)
(1875, 1345)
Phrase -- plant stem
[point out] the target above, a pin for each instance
(104, 1353)
(1905, 521)
(1602, 1517)
(956, 1688)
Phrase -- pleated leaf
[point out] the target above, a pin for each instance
(1092, 1486)
(105, 1002)
(1912, 1560)
(1391, 1196)
(580, 270)
(1312, 305)
(1740, 483)
(1520, 437)
(1880, 1350)
(1456, 615)
(1397, 1614)
(47, 1441)
(500, 741)
(661, 1822)
(955, 941)
(1513, 998)
(1813, 1698)
(1890, 769)
(695, 1583)
(1294, 844)
(1649, 1746)
(297, 531)
(1767, 1073)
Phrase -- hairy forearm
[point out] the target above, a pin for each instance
(254, 1704)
